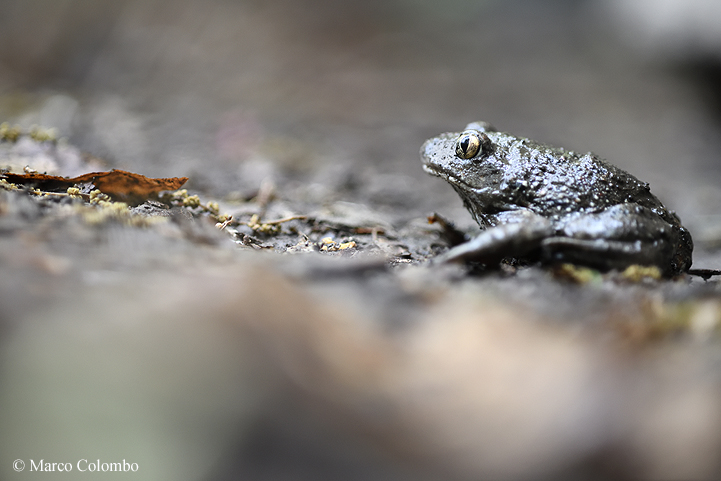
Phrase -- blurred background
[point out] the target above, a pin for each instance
(339, 95)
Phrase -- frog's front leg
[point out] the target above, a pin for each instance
(520, 233)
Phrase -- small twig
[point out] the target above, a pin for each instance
(224, 224)
(281, 221)
(705, 274)
(271, 226)
(266, 193)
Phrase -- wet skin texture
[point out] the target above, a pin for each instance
(541, 203)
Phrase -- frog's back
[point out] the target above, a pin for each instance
(558, 181)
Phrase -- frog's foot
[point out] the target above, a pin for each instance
(449, 232)
(506, 240)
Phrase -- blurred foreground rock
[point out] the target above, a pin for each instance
(200, 362)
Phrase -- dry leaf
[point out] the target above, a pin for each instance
(118, 184)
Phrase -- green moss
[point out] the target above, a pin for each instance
(9, 133)
(42, 134)
(213, 208)
(96, 197)
(637, 273)
(5, 185)
(191, 201)
(577, 274)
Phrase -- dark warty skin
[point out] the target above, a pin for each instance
(540, 203)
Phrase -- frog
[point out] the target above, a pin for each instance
(537, 203)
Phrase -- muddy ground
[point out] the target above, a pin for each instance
(286, 323)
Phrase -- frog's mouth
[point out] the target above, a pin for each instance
(452, 179)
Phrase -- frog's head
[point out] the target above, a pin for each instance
(466, 160)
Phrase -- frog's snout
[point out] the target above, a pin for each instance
(426, 151)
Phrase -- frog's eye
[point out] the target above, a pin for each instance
(469, 143)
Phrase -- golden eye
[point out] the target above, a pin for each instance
(469, 144)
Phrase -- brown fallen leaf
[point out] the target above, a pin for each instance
(118, 184)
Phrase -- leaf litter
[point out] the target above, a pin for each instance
(267, 221)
